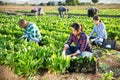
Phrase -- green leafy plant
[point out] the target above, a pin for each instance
(108, 76)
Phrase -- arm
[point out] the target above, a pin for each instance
(92, 32)
(24, 35)
(66, 46)
(32, 33)
(83, 45)
(70, 40)
(102, 32)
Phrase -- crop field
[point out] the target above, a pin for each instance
(29, 60)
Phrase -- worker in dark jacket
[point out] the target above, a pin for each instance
(92, 12)
(62, 11)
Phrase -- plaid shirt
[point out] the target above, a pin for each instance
(32, 32)
(82, 43)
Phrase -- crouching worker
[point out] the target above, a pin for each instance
(31, 31)
(62, 11)
(100, 31)
(37, 11)
(81, 41)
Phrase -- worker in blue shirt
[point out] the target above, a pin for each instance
(100, 31)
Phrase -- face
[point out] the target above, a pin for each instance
(75, 32)
(22, 25)
(96, 22)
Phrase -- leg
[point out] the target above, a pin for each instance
(87, 54)
(71, 50)
(40, 43)
(99, 42)
(91, 38)
(60, 13)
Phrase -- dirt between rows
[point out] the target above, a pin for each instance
(14, 8)
(111, 60)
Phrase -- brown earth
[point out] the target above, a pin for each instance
(111, 60)
(7, 74)
(14, 8)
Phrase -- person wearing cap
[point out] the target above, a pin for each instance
(62, 11)
(31, 31)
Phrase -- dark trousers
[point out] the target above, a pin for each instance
(71, 50)
(92, 37)
(97, 41)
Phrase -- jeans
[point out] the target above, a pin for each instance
(61, 14)
(98, 41)
(73, 49)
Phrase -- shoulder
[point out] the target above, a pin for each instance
(83, 35)
(31, 25)
(102, 24)
(71, 34)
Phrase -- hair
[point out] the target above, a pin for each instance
(21, 21)
(77, 27)
(97, 18)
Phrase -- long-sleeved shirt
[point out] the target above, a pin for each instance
(100, 30)
(82, 43)
(62, 9)
(32, 32)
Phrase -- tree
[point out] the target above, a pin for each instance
(41, 4)
(1, 3)
(95, 1)
(72, 2)
(60, 3)
(51, 3)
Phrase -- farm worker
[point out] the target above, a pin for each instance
(92, 12)
(37, 11)
(100, 31)
(40, 11)
(82, 46)
(62, 11)
(31, 31)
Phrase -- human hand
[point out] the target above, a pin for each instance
(93, 39)
(24, 36)
(63, 53)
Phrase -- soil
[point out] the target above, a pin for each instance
(14, 8)
(7, 74)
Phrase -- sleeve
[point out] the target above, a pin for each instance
(83, 45)
(92, 32)
(31, 32)
(102, 31)
(25, 35)
(69, 41)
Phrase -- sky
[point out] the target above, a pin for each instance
(45, 1)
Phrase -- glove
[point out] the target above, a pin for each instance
(63, 54)
(69, 55)
(93, 39)
(74, 57)
(36, 39)
(24, 36)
